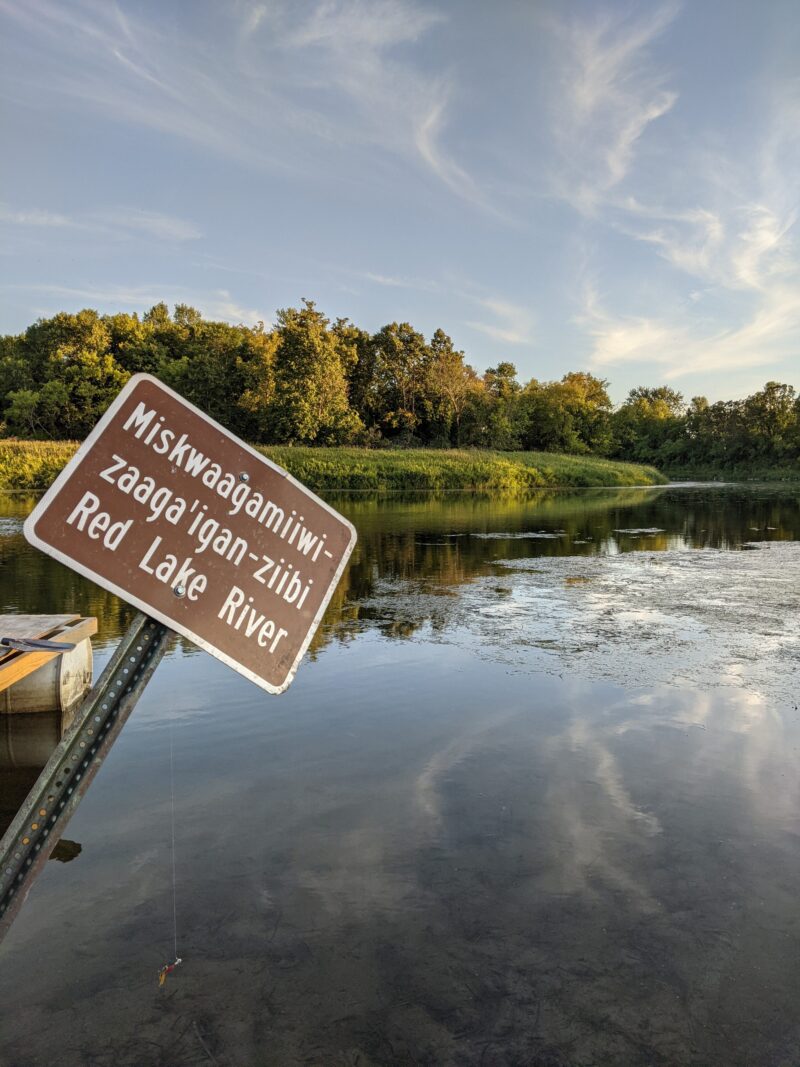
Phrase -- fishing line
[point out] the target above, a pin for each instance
(169, 967)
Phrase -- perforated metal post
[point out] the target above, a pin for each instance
(40, 822)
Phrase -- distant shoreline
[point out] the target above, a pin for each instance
(737, 473)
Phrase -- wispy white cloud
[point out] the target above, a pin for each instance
(262, 83)
(741, 245)
(112, 297)
(731, 300)
(118, 222)
(428, 138)
(510, 323)
(392, 282)
(617, 338)
(763, 250)
(253, 19)
(152, 223)
(357, 25)
(688, 239)
(221, 305)
(513, 323)
(610, 93)
(747, 314)
(682, 346)
(35, 217)
(216, 304)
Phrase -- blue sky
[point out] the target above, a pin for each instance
(610, 187)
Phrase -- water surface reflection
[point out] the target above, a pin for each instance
(449, 843)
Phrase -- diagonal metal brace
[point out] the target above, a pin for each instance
(59, 789)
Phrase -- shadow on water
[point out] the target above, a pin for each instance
(27, 741)
(533, 802)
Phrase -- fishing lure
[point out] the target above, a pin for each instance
(168, 968)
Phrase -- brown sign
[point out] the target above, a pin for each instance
(171, 512)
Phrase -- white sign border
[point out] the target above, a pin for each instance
(29, 529)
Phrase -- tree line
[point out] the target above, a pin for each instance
(309, 380)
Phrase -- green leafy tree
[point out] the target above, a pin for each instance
(501, 381)
(22, 415)
(227, 371)
(73, 375)
(545, 420)
(762, 429)
(571, 415)
(310, 402)
(502, 393)
(770, 418)
(399, 379)
(134, 346)
(586, 399)
(651, 426)
(256, 380)
(358, 361)
(450, 384)
(158, 315)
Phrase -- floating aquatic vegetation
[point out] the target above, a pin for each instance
(528, 535)
(638, 618)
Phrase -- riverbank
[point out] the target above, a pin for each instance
(33, 465)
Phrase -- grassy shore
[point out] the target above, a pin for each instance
(422, 468)
(33, 465)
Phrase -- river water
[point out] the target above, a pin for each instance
(533, 799)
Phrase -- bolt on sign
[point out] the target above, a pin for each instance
(174, 514)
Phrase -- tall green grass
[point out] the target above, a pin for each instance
(33, 465)
(421, 468)
(558, 469)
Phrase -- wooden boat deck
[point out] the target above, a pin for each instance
(63, 629)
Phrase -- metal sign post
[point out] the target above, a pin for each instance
(40, 822)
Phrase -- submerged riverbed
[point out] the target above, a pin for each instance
(533, 800)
